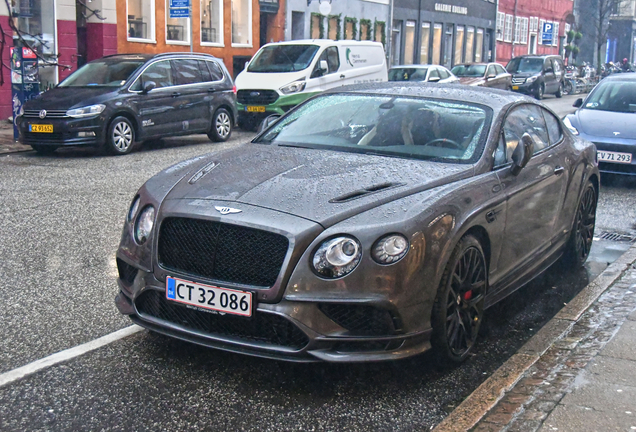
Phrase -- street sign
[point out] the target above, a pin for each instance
(547, 33)
(179, 4)
(179, 13)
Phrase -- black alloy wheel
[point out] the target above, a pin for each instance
(578, 248)
(44, 149)
(459, 305)
(221, 126)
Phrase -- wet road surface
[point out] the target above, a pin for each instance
(62, 220)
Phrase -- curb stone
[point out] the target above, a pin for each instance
(491, 391)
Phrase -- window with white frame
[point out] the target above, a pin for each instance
(555, 34)
(241, 22)
(534, 24)
(141, 22)
(177, 29)
(523, 39)
(501, 18)
(212, 22)
(566, 28)
(517, 31)
(508, 29)
(541, 22)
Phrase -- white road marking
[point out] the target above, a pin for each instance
(62, 356)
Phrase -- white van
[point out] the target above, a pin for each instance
(283, 74)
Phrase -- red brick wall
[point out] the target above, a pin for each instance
(5, 89)
(67, 46)
(101, 40)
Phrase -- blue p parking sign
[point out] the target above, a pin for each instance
(547, 30)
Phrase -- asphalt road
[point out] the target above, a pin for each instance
(61, 223)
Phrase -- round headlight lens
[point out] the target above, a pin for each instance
(133, 209)
(144, 224)
(337, 257)
(390, 249)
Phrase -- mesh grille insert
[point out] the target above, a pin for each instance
(223, 252)
(360, 319)
(261, 327)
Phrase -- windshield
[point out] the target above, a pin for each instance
(283, 58)
(414, 128)
(525, 65)
(469, 70)
(407, 74)
(102, 73)
(615, 96)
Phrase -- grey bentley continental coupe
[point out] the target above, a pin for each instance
(369, 223)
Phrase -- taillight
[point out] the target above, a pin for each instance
(234, 89)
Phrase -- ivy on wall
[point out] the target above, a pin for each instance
(321, 25)
(354, 27)
(366, 22)
(338, 19)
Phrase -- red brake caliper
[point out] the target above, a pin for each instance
(468, 295)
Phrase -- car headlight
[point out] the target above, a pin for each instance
(568, 124)
(337, 257)
(144, 224)
(86, 111)
(133, 209)
(531, 79)
(294, 87)
(390, 249)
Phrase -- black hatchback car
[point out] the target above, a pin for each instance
(120, 100)
(537, 75)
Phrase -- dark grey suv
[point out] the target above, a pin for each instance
(120, 100)
(537, 75)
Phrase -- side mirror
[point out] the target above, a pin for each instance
(324, 67)
(578, 103)
(491, 76)
(267, 122)
(434, 79)
(522, 154)
(149, 86)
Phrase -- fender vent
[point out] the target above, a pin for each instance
(364, 192)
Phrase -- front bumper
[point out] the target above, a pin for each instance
(66, 131)
(615, 167)
(526, 88)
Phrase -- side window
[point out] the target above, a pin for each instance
(433, 73)
(500, 152)
(491, 71)
(186, 72)
(215, 71)
(524, 119)
(160, 73)
(547, 64)
(554, 128)
(330, 55)
(500, 69)
(205, 73)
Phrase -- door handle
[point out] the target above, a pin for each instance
(176, 94)
(559, 170)
(342, 76)
(211, 90)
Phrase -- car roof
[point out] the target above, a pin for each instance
(494, 98)
(416, 66)
(325, 42)
(474, 64)
(625, 76)
(146, 57)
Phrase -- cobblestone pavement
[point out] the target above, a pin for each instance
(586, 381)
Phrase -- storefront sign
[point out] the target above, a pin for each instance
(442, 7)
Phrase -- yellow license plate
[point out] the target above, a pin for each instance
(41, 128)
(255, 108)
(515, 87)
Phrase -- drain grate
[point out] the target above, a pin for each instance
(614, 236)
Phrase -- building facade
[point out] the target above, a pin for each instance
(432, 32)
(76, 31)
(351, 19)
(232, 30)
(532, 27)
(621, 37)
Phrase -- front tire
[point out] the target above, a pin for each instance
(539, 92)
(559, 92)
(221, 126)
(580, 242)
(120, 137)
(459, 305)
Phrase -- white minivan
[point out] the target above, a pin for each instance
(282, 75)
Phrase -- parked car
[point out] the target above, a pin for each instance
(422, 73)
(283, 74)
(606, 117)
(120, 100)
(483, 75)
(537, 75)
(386, 227)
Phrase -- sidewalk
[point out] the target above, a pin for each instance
(577, 374)
(7, 144)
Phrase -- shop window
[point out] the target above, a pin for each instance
(141, 23)
(241, 22)
(409, 42)
(459, 44)
(365, 30)
(437, 43)
(177, 29)
(316, 24)
(350, 28)
(333, 31)
(212, 21)
(424, 42)
(379, 32)
(396, 40)
(479, 45)
(470, 44)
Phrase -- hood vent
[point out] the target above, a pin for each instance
(364, 192)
